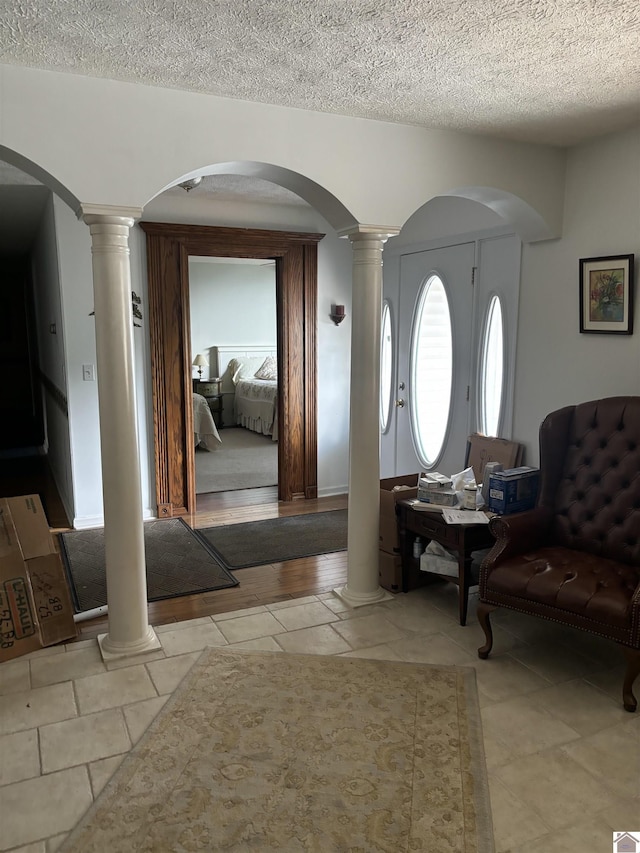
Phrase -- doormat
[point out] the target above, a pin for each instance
(275, 540)
(289, 752)
(178, 563)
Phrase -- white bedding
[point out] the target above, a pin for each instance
(256, 406)
(204, 428)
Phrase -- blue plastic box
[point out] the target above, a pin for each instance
(513, 490)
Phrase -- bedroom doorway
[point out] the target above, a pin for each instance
(233, 326)
(169, 247)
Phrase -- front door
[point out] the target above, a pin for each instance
(434, 359)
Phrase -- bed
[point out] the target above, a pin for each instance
(205, 432)
(249, 373)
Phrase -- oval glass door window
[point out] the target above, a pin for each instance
(491, 377)
(431, 371)
(386, 367)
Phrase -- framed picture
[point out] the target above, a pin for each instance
(606, 295)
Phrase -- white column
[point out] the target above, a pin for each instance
(364, 424)
(129, 630)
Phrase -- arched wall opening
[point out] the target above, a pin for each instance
(38, 447)
(327, 205)
(465, 209)
(448, 225)
(300, 316)
(46, 178)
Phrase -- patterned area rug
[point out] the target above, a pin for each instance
(178, 563)
(272, 751)
(256, 543)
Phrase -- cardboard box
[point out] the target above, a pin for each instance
(482, 449)
(35, 604)
(513, 490)
(388, 538)
(390, 572)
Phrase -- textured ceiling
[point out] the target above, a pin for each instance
(553, 71)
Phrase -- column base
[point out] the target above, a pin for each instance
(115, 651)
(361, 599)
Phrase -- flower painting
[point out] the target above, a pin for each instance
(606, 295)
(606, 290)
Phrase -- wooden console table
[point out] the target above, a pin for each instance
(461, 538)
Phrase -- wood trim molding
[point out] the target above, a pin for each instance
(295, 253)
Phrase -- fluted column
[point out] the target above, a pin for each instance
(364, 423)
(129, 630)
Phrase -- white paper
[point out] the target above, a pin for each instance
(464, 516)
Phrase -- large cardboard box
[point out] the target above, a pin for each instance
(482, 449)
(35, 605)
(388, 499)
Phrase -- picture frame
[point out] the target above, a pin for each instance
(606, 295)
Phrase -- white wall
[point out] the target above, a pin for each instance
(230, 304)
(352, 170)
(74, 250)
(51, 351)
(556, 365)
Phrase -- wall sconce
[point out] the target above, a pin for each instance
(200, 361)
(337, 314)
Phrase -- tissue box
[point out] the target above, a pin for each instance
(437, 560)
(513, 490)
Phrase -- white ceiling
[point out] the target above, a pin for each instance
(550, 71)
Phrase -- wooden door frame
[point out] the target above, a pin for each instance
(168, 249)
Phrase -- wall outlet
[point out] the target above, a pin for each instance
(88, 373)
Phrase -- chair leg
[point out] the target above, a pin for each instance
(633, 670)
(483, 618)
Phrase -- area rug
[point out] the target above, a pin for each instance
(272, 751)
(256, 543)
(178, 563)
(242, 460)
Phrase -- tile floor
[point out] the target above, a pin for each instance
(562, 754)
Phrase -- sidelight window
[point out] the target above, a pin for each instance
(386, 367)
(491, 374)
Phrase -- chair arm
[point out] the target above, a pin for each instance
(518, 533)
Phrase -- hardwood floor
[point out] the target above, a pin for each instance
(259, 584)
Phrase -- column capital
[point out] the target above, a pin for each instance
(369, 232)
(108, 214)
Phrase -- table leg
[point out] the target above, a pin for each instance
(464, 584)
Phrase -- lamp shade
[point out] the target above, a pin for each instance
(200, 360)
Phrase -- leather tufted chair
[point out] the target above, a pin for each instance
(575, 557)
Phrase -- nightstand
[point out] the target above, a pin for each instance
(212, 394)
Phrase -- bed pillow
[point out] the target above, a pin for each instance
(244, 368)
(268, 369)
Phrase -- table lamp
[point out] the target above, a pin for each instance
(200, 361)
